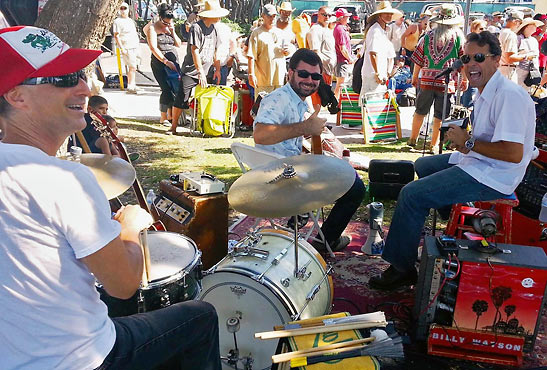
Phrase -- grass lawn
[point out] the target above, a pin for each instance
(162, 155)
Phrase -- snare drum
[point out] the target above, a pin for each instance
(253, 291)
(175, 276)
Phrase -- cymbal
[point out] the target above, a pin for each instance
(267, 191)
(113, 174)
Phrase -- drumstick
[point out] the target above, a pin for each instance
(318, 329)
(312, 351)
(143, 236)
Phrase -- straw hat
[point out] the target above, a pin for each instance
(447, 16)
(529, 21)
(384, 7)
(286, 6)
(212, 9)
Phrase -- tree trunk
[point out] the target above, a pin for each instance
(82, 23)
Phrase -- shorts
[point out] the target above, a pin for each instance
(187, 83)
(427, 97)
(130, 58)
(343, 70)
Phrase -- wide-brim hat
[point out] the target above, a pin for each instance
(27, 52)
(212, 9)
(529, 21)
(448, 16)
(384, 7)
(286, 6)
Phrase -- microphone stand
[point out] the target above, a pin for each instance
(441, 139)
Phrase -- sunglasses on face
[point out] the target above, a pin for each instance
(68, 80)
(479, 57)
(123, 8)
(305, 74)
(324, 14)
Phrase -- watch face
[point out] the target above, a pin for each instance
(470, 143)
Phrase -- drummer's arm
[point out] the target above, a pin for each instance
(118, 265)
(268, 134)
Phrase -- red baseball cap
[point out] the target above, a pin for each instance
(27, 52)
(342, 12)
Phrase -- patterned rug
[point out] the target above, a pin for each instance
(352, 270)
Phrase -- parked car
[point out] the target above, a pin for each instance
(358, 17)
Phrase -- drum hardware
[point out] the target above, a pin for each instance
(274, 262)
(165, 300)
(313, 292)
(288, 173)
(301, 273)
(233, 326)
(140, 302)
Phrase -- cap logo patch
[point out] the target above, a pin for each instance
(41, 41)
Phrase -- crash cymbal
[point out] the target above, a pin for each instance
(274, 190)
(113, 174)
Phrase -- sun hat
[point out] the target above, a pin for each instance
(286, 6)
(527, 22)
(27, 52)
(384, 7)
(447, 16)
(212, 9)
(342, 12)
(269, 9)
(124, 4)
(515, 15)
(495, 14)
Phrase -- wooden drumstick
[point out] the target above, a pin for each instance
(143, 236)
(283, 357)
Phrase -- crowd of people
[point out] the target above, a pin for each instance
(59, 235)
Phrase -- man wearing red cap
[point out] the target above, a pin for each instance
(58, 235)
(344, 58)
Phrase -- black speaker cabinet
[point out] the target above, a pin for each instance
(387, 177)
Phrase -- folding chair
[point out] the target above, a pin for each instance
(251, 157)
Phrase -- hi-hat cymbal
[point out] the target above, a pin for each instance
(113, 174)
(317, 180)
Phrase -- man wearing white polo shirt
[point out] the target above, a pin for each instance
(489, 163)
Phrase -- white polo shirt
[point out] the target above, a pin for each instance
(503, 112)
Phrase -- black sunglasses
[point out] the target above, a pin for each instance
(123, 8)
(324, 14)
(305, 74)
(479, 57)
(68, 80)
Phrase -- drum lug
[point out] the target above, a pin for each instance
(140, 302)
(165, 299)
(286, 282)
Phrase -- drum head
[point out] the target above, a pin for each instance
(256, 307)
(170, 253)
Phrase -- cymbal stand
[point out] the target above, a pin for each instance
(296, 272)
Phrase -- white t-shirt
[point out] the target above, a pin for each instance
(52, 213)
(394, 33)
(322, 39)
(496, 118)
(509, 44)
(224, 33)
(377, 42)
(127, 32)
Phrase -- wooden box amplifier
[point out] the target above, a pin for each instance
(202, 218)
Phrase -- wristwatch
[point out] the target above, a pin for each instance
(470, 143)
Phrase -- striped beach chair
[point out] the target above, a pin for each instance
(350, 112)
(381, 117)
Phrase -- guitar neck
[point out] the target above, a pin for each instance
(137, 188)
(316, 147)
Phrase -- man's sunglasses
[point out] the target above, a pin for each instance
(123, 8)
(479, 57)
(68, 80)
(305, 74)
(324, 14)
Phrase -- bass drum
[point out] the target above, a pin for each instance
(254, 291)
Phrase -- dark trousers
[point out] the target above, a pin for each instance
(343, 210)
(158, 69)
(181, 336)
(187, 83)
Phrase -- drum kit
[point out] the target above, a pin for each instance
(261, 282)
